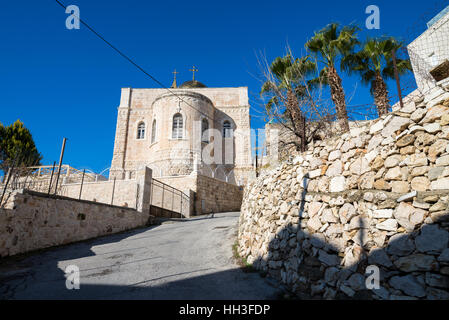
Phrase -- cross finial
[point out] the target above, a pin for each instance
(174, 84)
(194, 69)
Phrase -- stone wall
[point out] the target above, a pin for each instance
(378, 196)
(428, 51)
(210, 195)
(31, 221)
(168, 156)
(183, 183)
(133, 193)
(214, 195)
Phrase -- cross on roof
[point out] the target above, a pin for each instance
(174, 84)
(194, 69)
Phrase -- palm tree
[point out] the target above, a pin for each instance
(331, 44)
(375, 65)
(285, 83)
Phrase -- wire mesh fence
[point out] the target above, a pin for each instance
(44, 179)
(426, 44)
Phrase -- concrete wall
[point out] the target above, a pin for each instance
(32, 221)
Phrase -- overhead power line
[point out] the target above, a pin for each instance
(136, 65)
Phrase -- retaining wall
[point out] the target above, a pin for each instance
(377, 196)
(32, 221)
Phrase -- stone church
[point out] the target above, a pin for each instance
(176, 132)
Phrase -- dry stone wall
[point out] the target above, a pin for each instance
(376, 196)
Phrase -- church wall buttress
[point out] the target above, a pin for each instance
(121, 135)
(170, 157)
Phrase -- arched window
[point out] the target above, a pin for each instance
(153, 132)
(141, 131)
(227, 129)
(204, 128)
(177, 126)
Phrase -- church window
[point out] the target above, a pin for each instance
(204, 128)
(177, 126)
(141, 131)
(227, 129)
(153, 132)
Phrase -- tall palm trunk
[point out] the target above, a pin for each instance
(338, 97)
(380, 93)
(298, 120)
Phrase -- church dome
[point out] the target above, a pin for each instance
(192, 84)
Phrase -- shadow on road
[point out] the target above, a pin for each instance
(40, 274)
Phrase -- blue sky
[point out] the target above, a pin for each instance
(66, 83)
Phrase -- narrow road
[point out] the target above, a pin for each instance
(176, 260)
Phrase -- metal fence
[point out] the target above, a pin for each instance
(428, 53)
(44, 179)
(168, 201)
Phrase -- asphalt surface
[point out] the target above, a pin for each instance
(176, 260)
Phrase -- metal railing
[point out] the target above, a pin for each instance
(173, 202)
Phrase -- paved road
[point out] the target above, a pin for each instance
(175, 260)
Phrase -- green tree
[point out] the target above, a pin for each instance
(17, 147)
(285, 84)
(333, 44)
(374, 63)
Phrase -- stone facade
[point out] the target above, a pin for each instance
(180, 156)
(209, 195)
(376, 196)
(31, 221)
(125, 192)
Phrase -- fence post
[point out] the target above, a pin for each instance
(60, 163)
(163, 191)
(181, 206)
(137, 196)
(6, 184)
(113, 190)
(51, 177)
(152, 189)
(82, 182)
